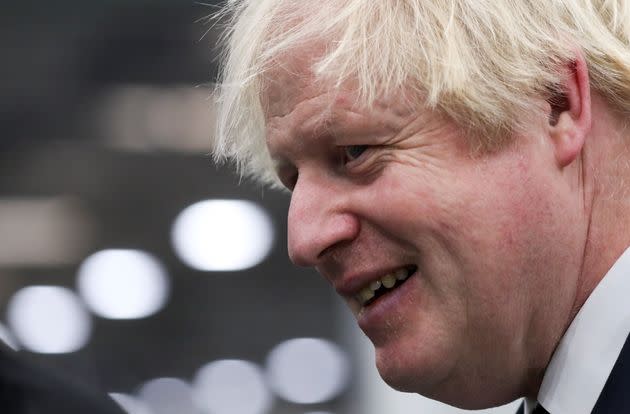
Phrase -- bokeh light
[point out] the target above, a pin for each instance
(307, 370)
(123, 284)
(232, 387)
(49, 319)
(168, 396)
(7, 337)
(130, 404)
(222, 235)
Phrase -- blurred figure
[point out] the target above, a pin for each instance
(459, 173)
(28, 389)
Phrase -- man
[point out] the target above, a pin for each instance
(459, 174)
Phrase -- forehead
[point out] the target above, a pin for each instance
(289, 81)
(295, 98)
(299, 108)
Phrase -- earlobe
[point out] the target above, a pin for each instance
(567, 141)
(570, 115)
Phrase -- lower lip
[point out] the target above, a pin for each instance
(388, 307)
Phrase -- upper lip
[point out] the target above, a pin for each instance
(350, 284)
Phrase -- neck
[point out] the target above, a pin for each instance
(605, 172)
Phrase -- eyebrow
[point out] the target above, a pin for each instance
(331, 123)
(317, 126)
(314, 128)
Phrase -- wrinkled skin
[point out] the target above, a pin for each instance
(497, 238)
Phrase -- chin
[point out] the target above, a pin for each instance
(431, 377)
(409, 372)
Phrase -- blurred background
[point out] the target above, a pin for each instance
(127, 258)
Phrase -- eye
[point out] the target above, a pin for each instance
(352, 152)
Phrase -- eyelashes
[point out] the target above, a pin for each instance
(353, 152)
(354, 159)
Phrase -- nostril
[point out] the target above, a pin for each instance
(330, 250)
(326, 252)
(309, 247)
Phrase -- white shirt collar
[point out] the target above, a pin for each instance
(529, 405)
(589, 349)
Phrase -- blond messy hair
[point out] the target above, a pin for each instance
(480, 62)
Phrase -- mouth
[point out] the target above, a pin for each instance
(385, 285)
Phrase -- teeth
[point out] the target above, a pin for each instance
(388, 280)
(375, 285)
(400, 274)
(366, 294)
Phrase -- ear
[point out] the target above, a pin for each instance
(570, 117)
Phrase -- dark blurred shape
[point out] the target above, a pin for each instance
(28, 389)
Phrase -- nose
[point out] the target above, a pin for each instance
(319, 219)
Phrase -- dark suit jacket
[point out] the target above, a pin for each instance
(28, 389)
(615, 397)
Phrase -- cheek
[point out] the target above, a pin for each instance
(478, 231)
(507, 248)
(439, 212)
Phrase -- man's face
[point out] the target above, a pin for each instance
(486, 243)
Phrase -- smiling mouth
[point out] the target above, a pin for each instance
(384, 285)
